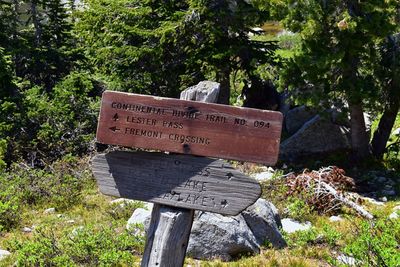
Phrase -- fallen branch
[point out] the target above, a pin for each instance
(347, 201)
(324, 188)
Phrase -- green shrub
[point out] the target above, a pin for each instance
(9, 204)
(314, 236)
(62, 122)
(302, 238)
(298, 209)
(331, 236)
(59, 184)
(3, 148)
(86, 246)
(376, 244)
(41, 126)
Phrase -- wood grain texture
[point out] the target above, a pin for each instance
(167, 237)
(176, 180)
(189, 127)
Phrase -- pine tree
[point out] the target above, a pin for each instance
(338, 51)
(161, 47)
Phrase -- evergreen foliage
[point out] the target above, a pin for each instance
(339, 55)
(160, 48)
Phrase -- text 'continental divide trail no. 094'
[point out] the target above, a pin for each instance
(189, 127)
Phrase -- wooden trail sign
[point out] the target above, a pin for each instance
(189, 127)
(179, 184)
(176, 180)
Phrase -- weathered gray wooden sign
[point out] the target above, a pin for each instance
(176, 180)
(189, 127)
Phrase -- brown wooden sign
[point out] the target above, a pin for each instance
(176, 180)
(189, 127)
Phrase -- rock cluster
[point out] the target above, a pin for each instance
(225, 237)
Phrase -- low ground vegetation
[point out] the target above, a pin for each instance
(87, 229)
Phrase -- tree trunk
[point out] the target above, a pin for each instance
(359, 135)
(36, 23)
(385, 126)
(225, 92)
(386, 122)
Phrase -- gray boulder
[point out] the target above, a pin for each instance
(139, 216)
(205, 91)
(317, 136)
(224, 237)
(295, 118)
(217, 236)
(263, 219)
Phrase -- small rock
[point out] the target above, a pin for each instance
(26, 229)
(70, 221)
(347, 260)
(76, 231)
(263, 176)
(384, 199)
(49, 211)
(205, 91)
(4, 254)
(291, 226)
(394, 215)
(139, 216)
(60, 215)
(335, 219)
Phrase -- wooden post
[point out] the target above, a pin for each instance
(168, 236)
(169, 231)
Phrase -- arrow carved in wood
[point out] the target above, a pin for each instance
(115, 117)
